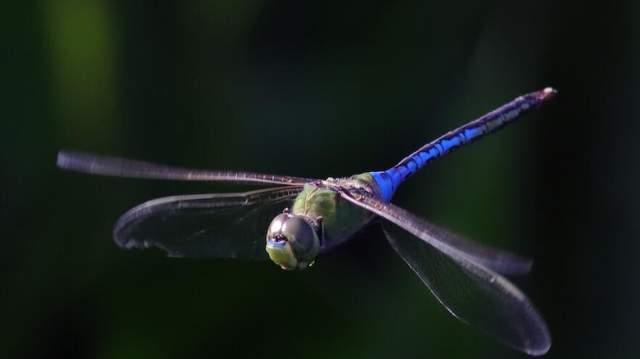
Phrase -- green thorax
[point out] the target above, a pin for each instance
(339, 218)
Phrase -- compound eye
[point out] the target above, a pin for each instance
(300, 234)
(275, 228)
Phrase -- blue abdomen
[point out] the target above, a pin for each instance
(388, 181)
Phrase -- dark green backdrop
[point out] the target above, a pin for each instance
(315, 89)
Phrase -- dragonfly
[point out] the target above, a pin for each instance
(304, 218)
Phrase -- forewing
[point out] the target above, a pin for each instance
(121, 167)
(452, 244)
(229, 225)
(468, 289)
(497, 260)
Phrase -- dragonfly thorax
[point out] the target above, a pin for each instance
(293, 241)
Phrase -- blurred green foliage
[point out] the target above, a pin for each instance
(315, 89)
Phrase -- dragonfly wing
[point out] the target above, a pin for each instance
(475, 294)
(452, 244)
(121, 167)
(495, 259)
(222, 225)
(468, 289)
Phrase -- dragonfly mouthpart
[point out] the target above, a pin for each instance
(278, 240)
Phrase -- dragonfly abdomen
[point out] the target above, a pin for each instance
(388, 181)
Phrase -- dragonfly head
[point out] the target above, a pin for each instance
(292, 241)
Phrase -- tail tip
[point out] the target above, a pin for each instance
(547, 93)
(61, 159)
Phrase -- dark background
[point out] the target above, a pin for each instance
(316, 89)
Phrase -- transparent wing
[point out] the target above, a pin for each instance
(469, 290)
(475, 294)
(495, 259)
(121, 167)
(229, 225)
(454, 245)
